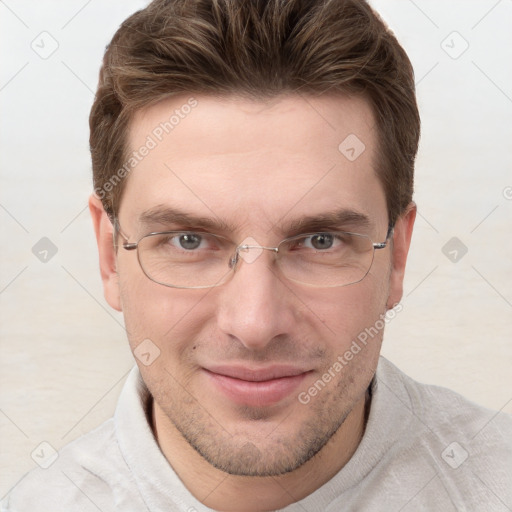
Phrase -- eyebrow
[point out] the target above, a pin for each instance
(335, 220)
(165, 216)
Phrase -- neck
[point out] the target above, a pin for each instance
(221, 491)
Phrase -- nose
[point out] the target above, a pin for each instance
(255, 306)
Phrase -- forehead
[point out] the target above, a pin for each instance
(246, 161)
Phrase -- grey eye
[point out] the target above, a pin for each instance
(322, 241)
(190, 241)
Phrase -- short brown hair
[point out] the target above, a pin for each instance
(259, 49)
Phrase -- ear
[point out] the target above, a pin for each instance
(399, 249)
(107, 253)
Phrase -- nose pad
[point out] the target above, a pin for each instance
(249, 250)
(233, 261)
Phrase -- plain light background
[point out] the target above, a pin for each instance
(64, 353)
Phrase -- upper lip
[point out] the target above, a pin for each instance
(256, 374)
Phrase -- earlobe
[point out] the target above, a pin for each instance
(400, 248)
(107, 253)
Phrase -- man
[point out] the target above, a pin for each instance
(253, 172)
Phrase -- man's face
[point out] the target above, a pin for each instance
(235, 358)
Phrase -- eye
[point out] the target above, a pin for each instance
(320, 241)
(187, 241)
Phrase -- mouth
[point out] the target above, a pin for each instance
(256, 387)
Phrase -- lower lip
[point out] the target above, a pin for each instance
(256, 394)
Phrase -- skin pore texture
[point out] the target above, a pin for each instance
(253, 169)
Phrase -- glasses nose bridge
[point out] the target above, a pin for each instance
(235, 258)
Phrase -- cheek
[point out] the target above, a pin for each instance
(353, 350)
(169, 317)
(347, 311)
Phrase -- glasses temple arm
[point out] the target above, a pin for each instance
(389, 235)
(118, 231)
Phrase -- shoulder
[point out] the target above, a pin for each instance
(88, 474)
(465, 447)
(442, 408)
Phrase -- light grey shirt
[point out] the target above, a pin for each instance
(424, 448)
